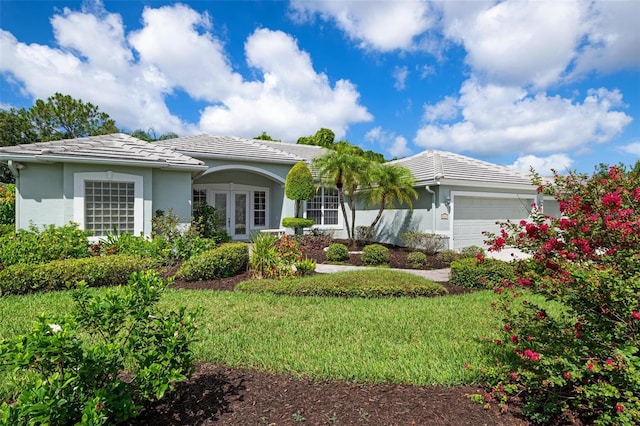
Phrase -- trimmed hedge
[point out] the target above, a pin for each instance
(488, 273)
(224, 261)
(337, 252)
(95, 271)
(375, 254)
(417, 259)
(365, 284)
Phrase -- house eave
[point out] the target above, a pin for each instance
(51, 159)
(476, 184)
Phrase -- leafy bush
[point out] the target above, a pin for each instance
(75, 362)
(582, 364)
(95, 271)
(448, 256)
(367, 284)
(297, 222)
(305, 267)
(429, 243)
(471, 251)
(7, 230)
(41, 246)
(207, 223)
(274, 257)
(314, 241)
(166, 225)
(133, 245)
(191, 244)
(224, 261)
(364, 234)
(417, 259)
(375, 254)
(337, 252)
(7, 204)
(481, 273)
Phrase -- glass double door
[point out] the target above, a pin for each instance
(233, 212)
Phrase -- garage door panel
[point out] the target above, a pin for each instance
(474, 215)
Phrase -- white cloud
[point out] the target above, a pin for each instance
(446, 109)
(519, 42)
(632, 148)
(293, 100)
(543, 165)
(426, 70)
(380, 25)
(498, 119)
(400, 75)
(94, 60)
(392, 144)
(612, 37)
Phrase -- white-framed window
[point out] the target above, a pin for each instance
(323, 208)
(105, 202)
(259, 208)
(199, 196)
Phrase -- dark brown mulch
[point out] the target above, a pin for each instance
(218, 394)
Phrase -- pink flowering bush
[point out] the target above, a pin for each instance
(580, 359)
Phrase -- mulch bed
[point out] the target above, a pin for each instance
(218, 394)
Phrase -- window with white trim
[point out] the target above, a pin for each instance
(199, 196)
(259, 208)
(323, 208)
(105, 202)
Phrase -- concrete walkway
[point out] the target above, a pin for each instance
(437, 275)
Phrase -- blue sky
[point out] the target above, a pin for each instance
(549, 84)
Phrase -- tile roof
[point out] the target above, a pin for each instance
(233, 147)
(116, 148)
(447, 167)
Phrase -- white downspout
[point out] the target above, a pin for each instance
(433, 208)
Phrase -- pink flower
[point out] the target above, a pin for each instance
(611, 200)
(514, 338)
(635, 315)
(590, 366)
(619, 408)
(533, 356)
(466, 365)
(513, 375)
(609, 361)
(567, 375)
(480, 257)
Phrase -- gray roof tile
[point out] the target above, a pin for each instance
(234, 147)
(117, 147)
(432, 165)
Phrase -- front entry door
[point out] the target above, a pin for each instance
(232, 207)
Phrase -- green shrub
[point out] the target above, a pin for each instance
(136, 245)
(375, 254)
(471, 251)
(264, 258)
(448, 256)
(166, 225)
(297, 222)
(224, 261)
(367, 284)
(486, 273)
(429, 243)
(74, 363)
(337, 252)
(7, 230)
(7, 204)
(96, 271)
(207, 223)
(417, 259)
(191, 244)
(41, 246)
(305, 267)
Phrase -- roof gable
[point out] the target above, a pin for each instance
(116, 148)
(446, 167)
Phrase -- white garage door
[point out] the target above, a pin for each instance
(473, 215)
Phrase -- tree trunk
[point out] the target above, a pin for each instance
(383, 201)
(344, 212)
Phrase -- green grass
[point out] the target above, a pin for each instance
(420, 341)
(363, 283)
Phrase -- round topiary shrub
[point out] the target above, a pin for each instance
(375, 254)
(417, 259)
(337, 252)
(448, 256)
(471, 251)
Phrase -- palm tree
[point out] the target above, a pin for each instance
(392, 184)
(347, 170)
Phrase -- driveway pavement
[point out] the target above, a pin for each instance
(437, 275)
